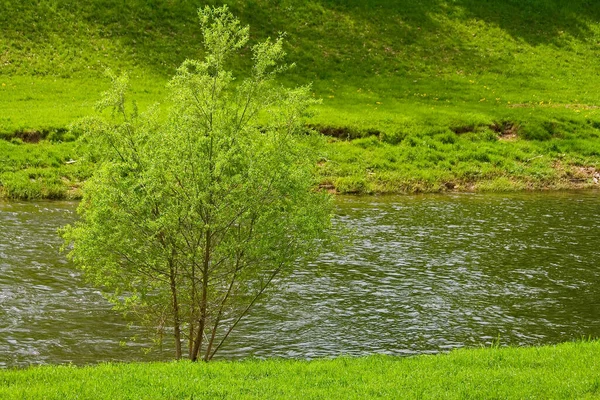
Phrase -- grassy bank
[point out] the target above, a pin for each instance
(44, 170)
(472, 161)
(566, 371)
(421, 96)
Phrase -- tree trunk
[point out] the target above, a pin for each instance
(204, 300)
(193, 315)
(176, 321)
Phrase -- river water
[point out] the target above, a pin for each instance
(423, 274)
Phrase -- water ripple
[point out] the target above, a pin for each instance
(424, 274)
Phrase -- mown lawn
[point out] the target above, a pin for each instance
(566, 371)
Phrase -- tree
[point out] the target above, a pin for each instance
(188, 219)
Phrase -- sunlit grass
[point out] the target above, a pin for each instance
(432, 80)
(441, 160)
(43, 170)
(566, 371)
(374, 62)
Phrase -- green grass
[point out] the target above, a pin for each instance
(44, 170)
(402, 71)
(434, 160)
(481, 56)
(566, 371)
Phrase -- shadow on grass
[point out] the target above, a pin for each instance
(534, 21)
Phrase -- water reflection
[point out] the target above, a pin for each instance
(424, 274)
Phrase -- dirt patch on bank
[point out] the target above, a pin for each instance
(584, 174)
(578, 175)
(506, 131)
(346, 133)
(29, 136)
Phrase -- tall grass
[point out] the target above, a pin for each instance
(43, 170)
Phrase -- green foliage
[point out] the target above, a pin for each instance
(32, 184)
(566, 371)
(188, 219)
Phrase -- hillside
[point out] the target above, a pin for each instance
(440, 94)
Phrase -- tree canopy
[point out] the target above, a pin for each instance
(188, 219)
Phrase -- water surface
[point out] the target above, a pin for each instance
(47, 313)
(424, 274)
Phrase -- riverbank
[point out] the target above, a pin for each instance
(424, 96)
(569, 370)
(478, 161)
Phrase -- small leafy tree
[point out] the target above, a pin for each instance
(188, 219)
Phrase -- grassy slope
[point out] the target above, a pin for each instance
(566, 371)
(410, 73)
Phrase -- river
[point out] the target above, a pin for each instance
(423, 274)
